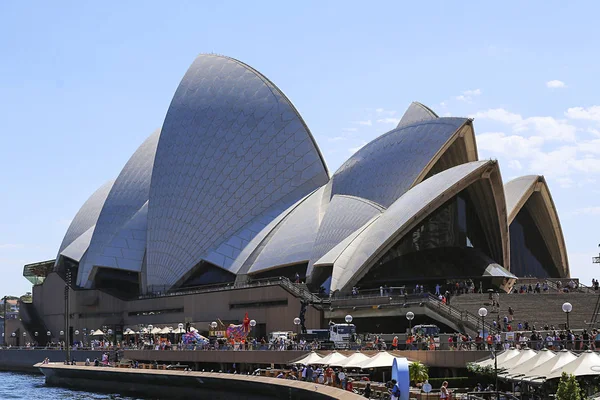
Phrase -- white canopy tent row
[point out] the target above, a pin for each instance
(538, 366)
(543, 356)
(382, 359)
(333, 358)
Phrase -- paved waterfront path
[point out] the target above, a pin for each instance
(229, 380)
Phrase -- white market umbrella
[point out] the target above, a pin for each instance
(128, 331)
(354, 360)
(543, 356)
(166, 330)
(588, 363)
(500, 358)
(332, 359)
(563, 357)
(97, 332)
(523, 356)
(178, 330)
(382, 359)
(311, 358)
(155, 331)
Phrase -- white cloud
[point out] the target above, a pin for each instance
(365, 123)
(468, 95)
(565, 182)
(590, 113)
(357, 148)
(336, 139)
(5, 246)
(498, 114)
(349, 129)
(515, 164)
(588, 211)
(555, 84)
(593, 131)
(546, 127)
(514, 146)
(382, 111)
(389, 121)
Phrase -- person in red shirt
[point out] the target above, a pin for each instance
(349, 386)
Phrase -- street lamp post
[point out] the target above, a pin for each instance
(252, 325)
(567, 308)
(482, 313)
(410, 316)
(297, 323)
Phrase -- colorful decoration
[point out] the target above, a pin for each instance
(193, 337)
(239, 332)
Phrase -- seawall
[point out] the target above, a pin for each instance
(21, 360)
(186, 385)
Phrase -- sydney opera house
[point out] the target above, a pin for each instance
(232, 191)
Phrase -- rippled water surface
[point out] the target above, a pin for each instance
(32, 387)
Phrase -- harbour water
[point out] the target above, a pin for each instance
(27, 386)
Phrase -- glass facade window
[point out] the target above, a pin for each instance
(529, 255)
(449, 243)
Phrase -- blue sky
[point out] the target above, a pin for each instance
(82, 84)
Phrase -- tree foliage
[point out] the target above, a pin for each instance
(568, 388)
(418, 372)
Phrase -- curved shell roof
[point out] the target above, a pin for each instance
(345, 214)
(292, 240)
(403, 215)
(533, 190)
(386, 168)
(127, 195)
(232, 146)
(416, 112)
(87, 215)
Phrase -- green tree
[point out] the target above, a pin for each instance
(418, 372)
(568, 388)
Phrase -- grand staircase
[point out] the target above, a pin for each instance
(538, 309)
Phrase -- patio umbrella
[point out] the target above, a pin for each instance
(128, 331)
(97, 332)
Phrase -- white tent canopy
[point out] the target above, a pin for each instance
(97, 332)
(588, 363)
(333, 358)
(513, 362)
(155, 331)
(543, 356)
(166, 330)
(354, 360)
(500, 358)
(562, 357)
(379, 360)
(178, 330)
(310, 358)
(128, 331)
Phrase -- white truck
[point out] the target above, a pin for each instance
(338, 336)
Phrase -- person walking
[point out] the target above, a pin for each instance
(444, 391)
